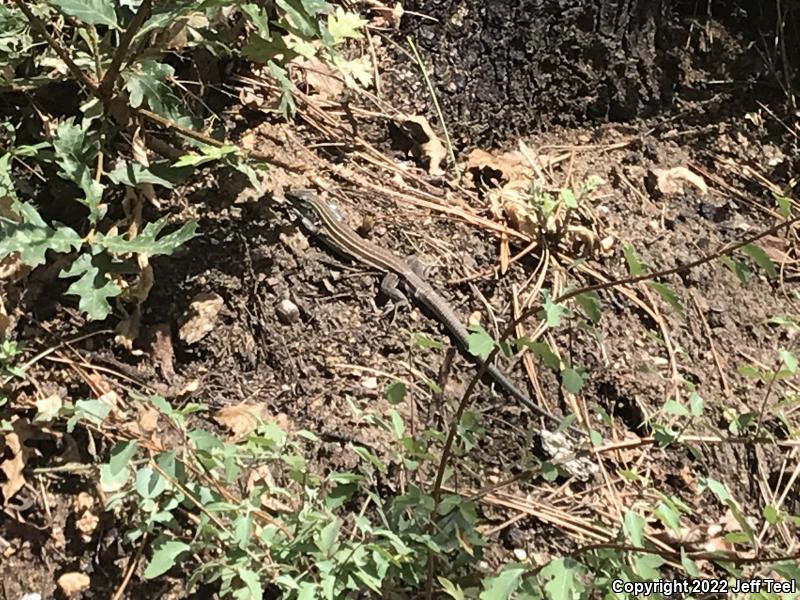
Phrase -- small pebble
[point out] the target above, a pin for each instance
(520, 554)
(288, 313)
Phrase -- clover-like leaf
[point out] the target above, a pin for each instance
(32, 237)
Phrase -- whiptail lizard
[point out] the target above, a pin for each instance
(322, 221)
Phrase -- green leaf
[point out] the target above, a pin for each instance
(543, 351)
(451, 589)
(147, 242)
(750, 372)
(121, 455)
(549, 471)
(287, 106)
(149, 483)
(504, 584)
(32, 238)
(688, 564)
(480, 342)
(93, 287)
(667, 295)
(591, 305)
(572, 380)
(145, 81)
(738, 268)
(301, 15)
(634, 528)
(771, 514)
(93, 12)
(75, 149)
(789, 359)
(252, 583)
(396, 392)
(165, 555)
(207, 154)
(327, 537)
(647, 566)
(343, 25)
(133, 174)
(93, 411)
(673, 408)
(635, 267)
(568, 198)
(761, 259)
(696, 404)
(784, 205)
(564, 579)
(719, 490)
(552, 312)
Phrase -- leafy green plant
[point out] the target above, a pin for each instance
(117, 53)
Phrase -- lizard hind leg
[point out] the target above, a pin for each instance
(397, 299)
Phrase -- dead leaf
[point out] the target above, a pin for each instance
(162, 351)
(201, 317)
(16, 455)
(424, 143)
(666, 182)
(86, 521)
(320, 77)
(73, 583)
(242, 418)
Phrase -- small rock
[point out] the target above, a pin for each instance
(288, 313)
(73, 583)
(520, 554)
(371, 383)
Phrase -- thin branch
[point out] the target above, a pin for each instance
(135, 25)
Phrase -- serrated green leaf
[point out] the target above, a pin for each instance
(503, 584)
(544, 352)
(297, 19)
(480, 342)
(564, 579)
(93, 288)
(635, 267)
(287, 106)
(165, 554)
(572, 380)
(265, 49)
(207, 154)
(761, 259)
(75, 150)
(343, 25)
(148, 242)
(93, 12)
(146, 82)
(32, 238)
(133, 174)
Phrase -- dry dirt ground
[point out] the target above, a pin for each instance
(250, 258)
